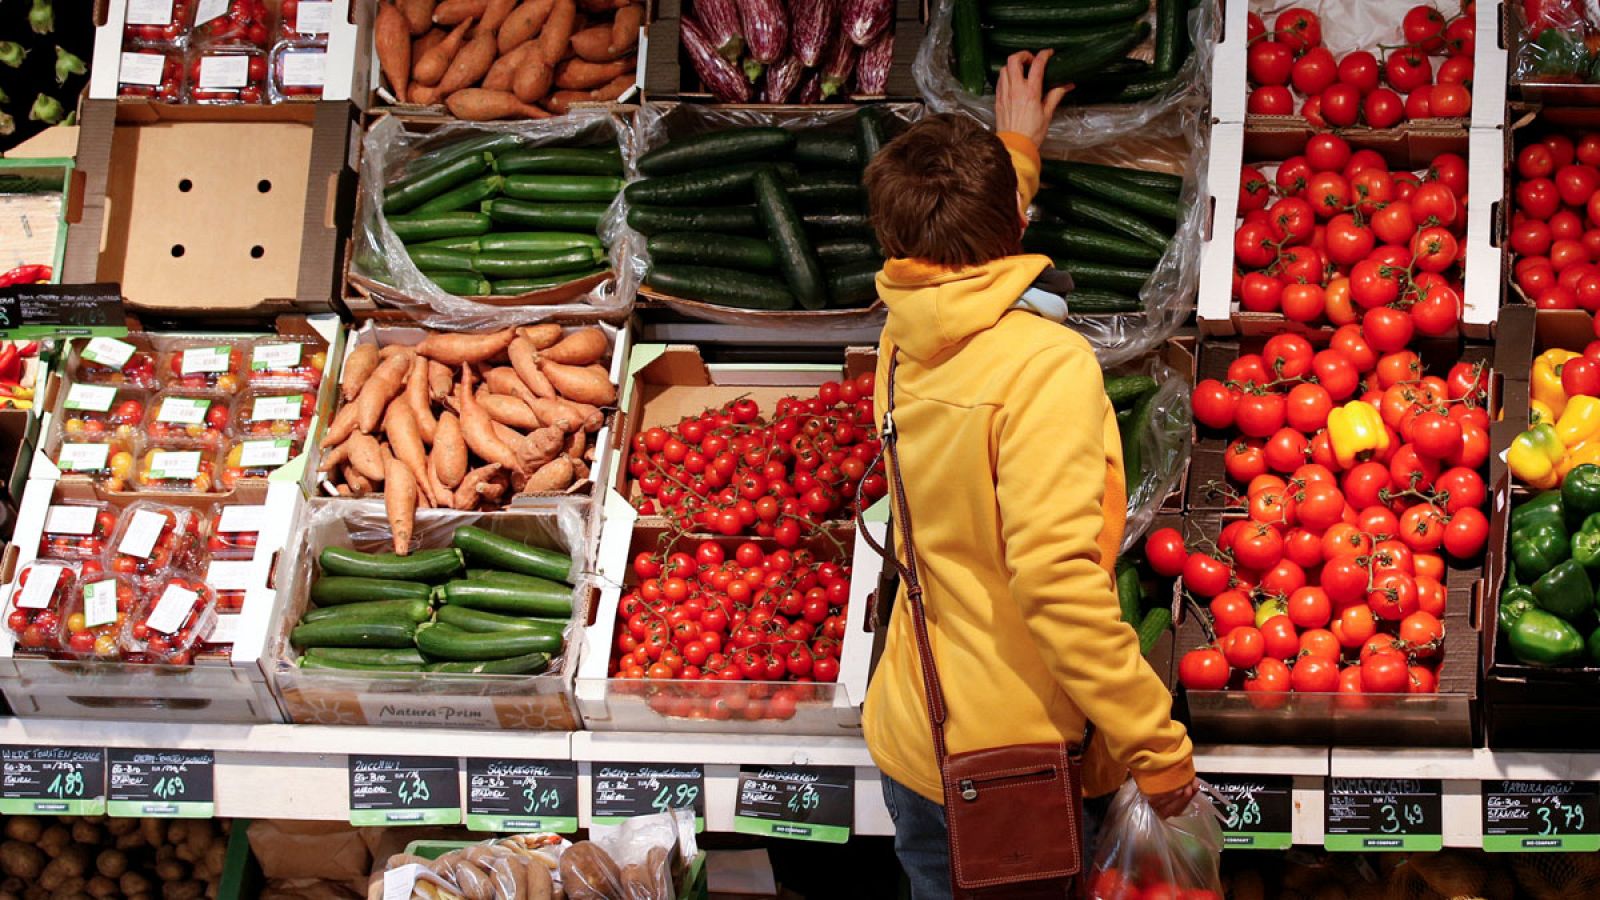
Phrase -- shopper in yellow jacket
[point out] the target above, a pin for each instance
(1013, 474)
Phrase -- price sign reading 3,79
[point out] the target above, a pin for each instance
(1528, 816)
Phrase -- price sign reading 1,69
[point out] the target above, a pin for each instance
(622, 791)
(522, 795)
(1525, 816)
(162, 784)
(53, 781)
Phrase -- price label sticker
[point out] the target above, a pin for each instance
(230, 71)
(313, 17)
(277, 409)
(622, 791)
(104, 351)
(149, 12)
(142, 69)
(266, 357)
(223, 632)
(242, 518)
(174, 465)
(231, 574)
(40, 586)
(57, 781)
(1541, 816)
(304, 69)
(99, 603)
(161, 784)
(83, 457)
(522, 795)
(144, 529)
(204, 360)
(208, 10)
(90, 397)
(183, 410)
(805, 804)
(1259, 810)
(404, 790)
(70, 519)
(263, 454)
(399, 882)
(172, 609)
(1383, 814)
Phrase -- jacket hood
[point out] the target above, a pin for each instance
(932, 309)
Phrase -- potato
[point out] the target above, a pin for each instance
(85, 831)
(55, 876)
(55, 840)
(120, 827)
(171, 870)
(24, 828)
(183, 890)
(101, 888)
(135, 883)
(154, 831)
(23, 861)
(76, 860)
(216, 856)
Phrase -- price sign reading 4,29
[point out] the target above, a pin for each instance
(168, 784)
(807, 804)
(522, 795)
(1523, 816)
(621, 791)
(404, 790)
(1258, 812)
(1383, 814)
(61, 781)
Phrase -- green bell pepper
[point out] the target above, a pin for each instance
(1593, 646)
(1538, 548)
(1586, 543)
(1514, 601)
(1565, 590)
(1540, 639)
(1546, 507)
(1580, 493)
(1559, 53)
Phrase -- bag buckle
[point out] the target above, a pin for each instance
(969, 792)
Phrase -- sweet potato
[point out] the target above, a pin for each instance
(432, 66)
(366, 456)
(594, 44)
(334, 457)
(449, 455)
(494, 15)
(401, 429)
(579, 348)
(479, 105)
(392, 37)
(504, 71)
(508, 411)
(582, 75)
(471, 63)
(523, 23)
(576, 444)
(625, 27)
(477, 429)
(400, 504)
(584, 384)
(616, 87)
(541, 336)
(454, 12)
(453, 349)
(532, 79)
(417, 400)
(556, 475)
(386, 382)
(558, 31)
(466, 496)
(525, 360)
(424, 95)
(601, 6)
(357, 366)
(560, 102)
(343, 424)
(590, 418)
(359, 484)
(419, 15)
(557, 413)
(422, 45)
(503, 380)
(539, 447)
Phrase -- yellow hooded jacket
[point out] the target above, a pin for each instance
(1013, 473)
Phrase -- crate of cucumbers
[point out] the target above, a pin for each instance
(467, 624)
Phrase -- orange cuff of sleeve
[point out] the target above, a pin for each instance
(1168, 779)
(1019, 143)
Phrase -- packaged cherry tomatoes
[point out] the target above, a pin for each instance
(102, 410)
(38, 598)
(228, 23)
(175, 614)
(257, 458)
(75, 530)
(105, 458)
(305, 20)
(153, 539)
(197, 417)
(233, 530)
(299, 71)
(279, 413)
(152, 73)
(96, 613)
(228, 75)
(157, 23)
(205, 365)
(106, 360)
(176, 467)
(288, 363)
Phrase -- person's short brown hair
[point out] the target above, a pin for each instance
(945, 192)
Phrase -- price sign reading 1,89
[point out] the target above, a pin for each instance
(62, 781)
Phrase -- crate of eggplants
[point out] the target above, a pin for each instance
(789, 51)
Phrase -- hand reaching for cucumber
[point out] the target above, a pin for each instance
(1017, 103)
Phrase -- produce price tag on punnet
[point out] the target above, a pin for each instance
(404, 790)
(1528, 816)
(622, 791)
(1383, 814)
(63, 781)
(162, 784)
(29, 311)
(522, 795)
(1259, 812)
(805, 804)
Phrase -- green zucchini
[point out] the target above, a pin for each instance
(1102, 275)
(967, 36)
(784, 229)
(838, 224)
(1132, 446)
(507, 599)
(1145, 201)
(1154, 624)
(507, 555)
(723, 287)
(1086, 210)
(715, 148)
(468, 243)
(719, 183)
(336, 590)
(567, 160)
(823, 150)
(1144, 88)
(447, 642)
(438, 225)
(1091, 301)
(703, 249)
(1069, 68)
(854, 284)
(517, 579)
(387, 632)
(869, 132)
(498, 143)
(553, 216)
(563, 188)
(412, 191)
(536, 241)
(318, 663)
(1130, 594)
(511, 287)
(470, 194)
(468, 619)
(1126, 391)
(718, 219)
(1075, 242)
(836, 252)
(415, 610)
(435, 259)
(1064, 41)
(458, 283)
(1172, 36)
(367, 656)
(533, 265)
(1061, 172)
(422, 565)
(824, 191)
(526, 664)
(1033, 14)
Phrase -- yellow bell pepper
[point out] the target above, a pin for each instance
(1535, 457)
(1580, 421)
(1539, 413)
(1354, 429)
(1546, 379)
(1586, 452)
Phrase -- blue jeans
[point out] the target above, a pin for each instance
(921, 840)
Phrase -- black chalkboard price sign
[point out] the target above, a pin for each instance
(1259, 810)
(49, 310)
(404, 790)
(522, 795)
(1383, 814)
(620, 791)
(170, 784)
(1529, 816)
(58, 781)
(802, 803)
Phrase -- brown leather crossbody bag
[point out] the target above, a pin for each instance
(1014, 813)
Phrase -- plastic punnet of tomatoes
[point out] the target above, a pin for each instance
(154, 74)
(287, 363)
(75, 530)
(105, 360)
(1344, 65)
(96, 613)
(227, 76)
(256, 458)
(177, 467)
(204, 365)
(274, 413)
(157, 23)
(106, 459)
(1553, 227)
(176, 613)
(232, 23)
(35, 607)
(233, 530)
(305, 19)
(299, 71)
(1336, 235)
(199, 418)
(97, 410)
(153, 539)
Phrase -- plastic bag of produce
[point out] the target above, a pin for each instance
(1156, 451)
(1139, 851)
(1077, 123)
(383, 266)
(1550, 46)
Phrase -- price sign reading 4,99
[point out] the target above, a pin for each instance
(404, 790)
(1259, 812)
(807, 804)
(1383, 814)
(162, 784)
(522, 795)
(61, 781)
(622, 791)
(1523, 816)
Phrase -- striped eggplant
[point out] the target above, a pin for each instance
(864, 20)
(719, 19)
(872, 66)
(810, 88)
(839, 66)
(766, 29)
(721, 77)
(782, 78)
(811, 23)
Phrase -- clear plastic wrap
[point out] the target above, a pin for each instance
(299, 71)
(381, 266)
(1141, 854)
(152, 73)
(290, 363)
(232, 23)
(257, 457)
(274, 413)
(228, 76)
(521, 867)
(1076, 126)
(157, 23)
(232, 530)
(197, 364)
(1165, 438)
(105, 360)
(1551, 48)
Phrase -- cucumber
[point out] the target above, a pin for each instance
(458, 283)
(730, 145)
(1060, 172)
(507, 555)
(514, 579)
(1172, 36)
(967, 43)
(838, 224)
(1087, 210)
(494, 142)
(470, 194)
(563, 188)
(719, 219)
(317, 663)
(439, 225)
(511, 287)
(1132, 447)
(854, 284)
(1155, 622)
(1135, 198)
(1067, 68)
(795, 257)
(723, 287)
(569, 160)
(1031, 13)
(1144, 88)
(1103, 275)
(823, 150)
(448, 642)
(423, 565)
(702, 249)
(1130, 594)
(526, 664)
(413, 190)
(869, 132)
(416, 610)
(336, 590)
(720, 183)
(553, 216)
(1092, 301)
(506, 599)
(823, 191)
(468, 244)
(1126, 392)
(477, 620)
(1074, 242)
(532, 265)
(437, 259)
(367, 656)
(536, 241)
(385, 632)
(1065, 41)
(835, 252)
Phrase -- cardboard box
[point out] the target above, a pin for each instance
(1526, 123)
(35, 195)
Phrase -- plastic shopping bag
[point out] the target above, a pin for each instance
(1140, 854)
